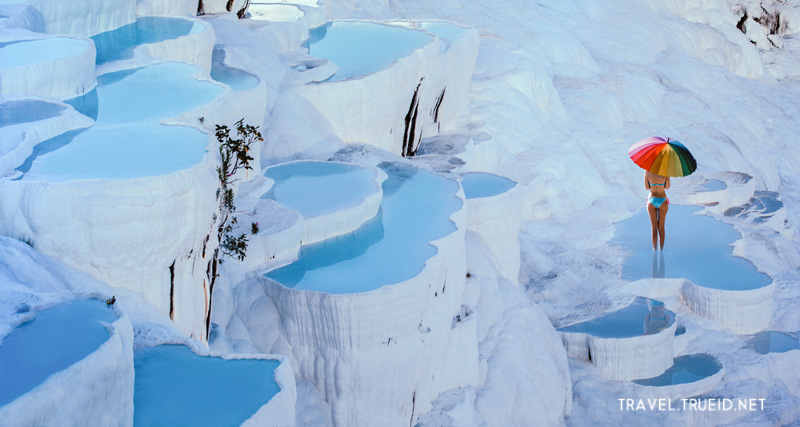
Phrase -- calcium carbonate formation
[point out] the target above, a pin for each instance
(398, 219)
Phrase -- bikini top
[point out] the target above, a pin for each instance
(663, 183)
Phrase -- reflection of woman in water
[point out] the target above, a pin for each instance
(657, 205)
(658, 267)
(657, 319)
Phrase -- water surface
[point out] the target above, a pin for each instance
(317, 188)
(686, 369)
(390, 248)
(478, 184)
(772, 342)
(630, 321)
(361, 48)
(54, 340)
(176, 387)
(697, 248)
(127, 140)
(25, 111)
(119, 43)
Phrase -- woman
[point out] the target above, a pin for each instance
(657, 205)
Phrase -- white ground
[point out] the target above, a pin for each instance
(560, 91)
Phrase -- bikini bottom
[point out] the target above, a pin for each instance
(658, 201)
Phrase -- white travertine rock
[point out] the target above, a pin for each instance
(280, 410)
(149, 235)
(223, 6)
(498, 220)
(279, 237)
(195, 47)
(718, 41)
(318, 226)
(19, 140)
(356, 114)
(738, 191)
(112, 228)
(28, 67)
(679, 391)
(274, 12)
(21, 16)
(452, 76)
(387, 353)
(746, 311)
(83, 17)
(624, 359)
(166, 7)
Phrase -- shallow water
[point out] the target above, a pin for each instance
(317, 188)
(713, 185)
(445, 31)
(768, 201)
(630, 321)
(361, 48)
(127, 140)
(697, 248)
(478, 184)
(150, 93)
(56, 339)
(772, 342)
(237, 79)
(175, 386)
(119, 43)
(390, 248)
(686, 369)
(25, 111)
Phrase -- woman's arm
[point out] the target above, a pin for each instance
(646, 182)
(666, 187)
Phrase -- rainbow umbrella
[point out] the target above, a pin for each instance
(663, 156)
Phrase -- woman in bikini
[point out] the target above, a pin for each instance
(657, 205)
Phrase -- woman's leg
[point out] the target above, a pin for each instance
(653, 211)
(662, 217)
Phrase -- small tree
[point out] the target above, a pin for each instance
(234, 155)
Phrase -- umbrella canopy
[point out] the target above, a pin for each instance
(663, 156)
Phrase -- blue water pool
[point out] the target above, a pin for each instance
(317, 188)
(478, 184)
(119, 43)
(127, 140)
(713, 185)
(54, 340)
(175, 386)
(361, 48)
(236, 79)
(641, 317)
(772, 342)
(766, 202)
(390, 248)
(686, 369)
(444, 30)
(697, 248)
(149, 93)
(25, 111)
